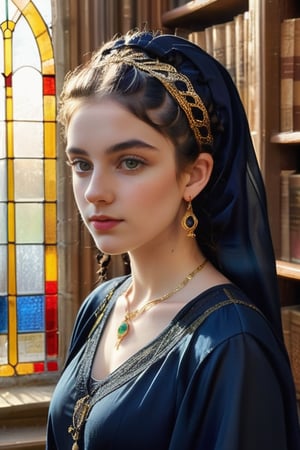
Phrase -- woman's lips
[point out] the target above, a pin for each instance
(104, 223)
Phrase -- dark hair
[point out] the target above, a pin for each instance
(142, 94)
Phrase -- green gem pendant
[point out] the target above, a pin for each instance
(122, 332)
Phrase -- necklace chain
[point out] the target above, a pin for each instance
(124, 326)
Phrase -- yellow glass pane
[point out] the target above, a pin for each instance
(50, 223)
(50, 139)
(51, 263)
(34, 19)
(24, 368)
(9, 129)
(48, 67)
(6, 371)
(49, 108)
(45, 46)
(10, 177)
(12, 283)
(12, 333)
(11, 222)
(50, 180)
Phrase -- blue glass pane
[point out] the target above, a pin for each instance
(30, 313)
(3, 315)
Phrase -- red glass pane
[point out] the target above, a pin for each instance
(8, 80)
(52, 366)
(51, 313)
(49, 85)
(39, 367)
(52, 344)
(51, 287)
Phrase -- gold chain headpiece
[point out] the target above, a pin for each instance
(177, 84)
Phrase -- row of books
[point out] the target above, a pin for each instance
(290, 215)
(233, 45)
(290, 75)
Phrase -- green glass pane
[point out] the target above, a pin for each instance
(25, 50)
(30, 269)
(29, 180)
(27, 100)
(3, 180)
(29, 223)
(31, 347)
(3, 270)
(3, 223)
(32, 146)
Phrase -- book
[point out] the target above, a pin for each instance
(230, 63)
(208, 40)
(294, 217)
(296, 84)
(198, 38)
(218, 43)
(285, 214)
(240, 57)
(287, 74)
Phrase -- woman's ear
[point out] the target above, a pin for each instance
(198, 175)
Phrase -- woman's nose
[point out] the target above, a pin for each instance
(99, 188)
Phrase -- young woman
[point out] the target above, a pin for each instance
(186, 352)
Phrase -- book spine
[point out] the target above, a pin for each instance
(294, 213)
(296, 85)
(218, 42)
(240, 55)
(230, 49)
(208, 40)
(285, 214)
(287, 74)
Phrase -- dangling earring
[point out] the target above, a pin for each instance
(189, 221)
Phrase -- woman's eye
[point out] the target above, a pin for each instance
(80, 165)
(131, 163)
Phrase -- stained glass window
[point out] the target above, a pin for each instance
(28, 243)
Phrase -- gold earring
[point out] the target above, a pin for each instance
(189, 221)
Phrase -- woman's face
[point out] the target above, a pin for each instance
(124, 177)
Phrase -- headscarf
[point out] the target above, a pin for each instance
(232, 209)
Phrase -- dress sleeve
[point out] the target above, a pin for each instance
(233, 401)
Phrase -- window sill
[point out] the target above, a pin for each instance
(23, 416)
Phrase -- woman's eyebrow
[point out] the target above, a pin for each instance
(125, 145)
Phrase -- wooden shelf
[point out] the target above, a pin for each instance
(286, 138)
(199, 14)
(287, 269)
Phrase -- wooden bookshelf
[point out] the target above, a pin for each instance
(204, 13)
(287, 269)
(292, 137)
(276, 150)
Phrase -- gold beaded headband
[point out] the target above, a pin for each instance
(188, 100)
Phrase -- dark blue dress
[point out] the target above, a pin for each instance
(216, 378)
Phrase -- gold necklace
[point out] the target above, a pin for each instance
(124, 326)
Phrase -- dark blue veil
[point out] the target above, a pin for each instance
(233, 228)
